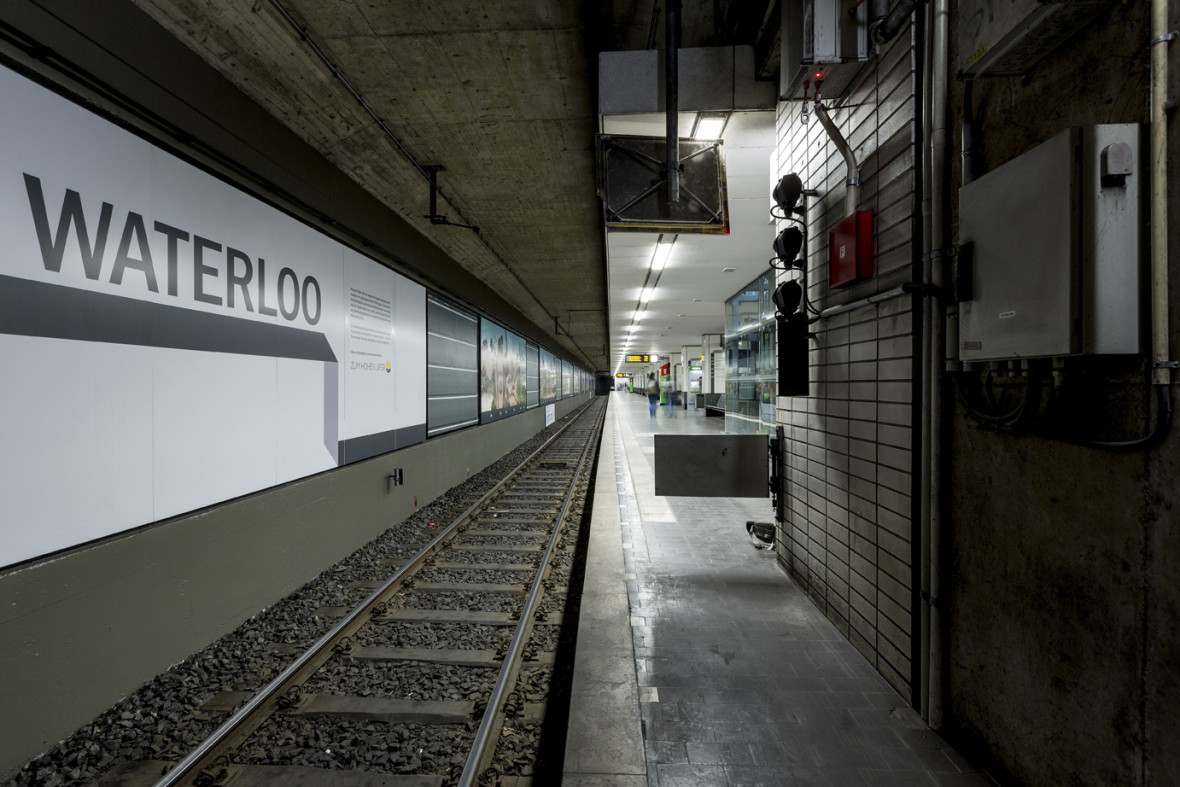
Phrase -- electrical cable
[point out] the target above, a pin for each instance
(1020, 420)
(1163, 423)
(1005, 422)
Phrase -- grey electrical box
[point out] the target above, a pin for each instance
(1051, 250)
(1008, 38)
(825, 41)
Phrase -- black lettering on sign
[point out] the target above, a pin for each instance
(293, 312)
(294, 296)
(123, 260)
(52, 250)
(269, 311)
(174, 237)
(201, 270)
(232, 278)
(308, 283)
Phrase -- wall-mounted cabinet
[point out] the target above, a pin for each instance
(1051, 250)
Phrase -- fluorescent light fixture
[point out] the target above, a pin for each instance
(645, 294)
(663, 250)
(709, 125)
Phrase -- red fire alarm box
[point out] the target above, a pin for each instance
(850, 249)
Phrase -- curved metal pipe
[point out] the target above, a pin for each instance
(878, 12)
(883, 31)
(852, 195)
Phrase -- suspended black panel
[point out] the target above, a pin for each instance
(632, 181)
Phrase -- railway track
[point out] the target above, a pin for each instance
(439, 675)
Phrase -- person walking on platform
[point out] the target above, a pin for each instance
(653, 394)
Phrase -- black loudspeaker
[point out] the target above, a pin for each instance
(786, 297)
(786, 193)
(794, 374)
(787, 245)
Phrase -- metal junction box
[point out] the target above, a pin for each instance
(1051, 250)
(1008, 38)
(826, 40)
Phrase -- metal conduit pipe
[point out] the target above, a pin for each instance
(878, 12)
(852, 194)
(885, 295)
(672, 99)
(922, 556)
(1161, 359)
(939, 27)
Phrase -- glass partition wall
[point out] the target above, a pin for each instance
(750, 376)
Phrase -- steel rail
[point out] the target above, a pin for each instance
(211, 747)
(483, 747)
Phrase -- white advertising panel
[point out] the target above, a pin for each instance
(383, 387)
(170, 342)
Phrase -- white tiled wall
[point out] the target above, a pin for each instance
(846, 536)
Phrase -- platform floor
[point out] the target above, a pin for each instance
(699, 660)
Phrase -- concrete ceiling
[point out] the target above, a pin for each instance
(500, 95)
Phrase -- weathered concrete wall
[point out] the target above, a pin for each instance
(1064, 658)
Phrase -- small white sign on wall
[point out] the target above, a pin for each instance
(550, 414)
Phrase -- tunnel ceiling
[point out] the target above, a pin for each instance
(500, 95)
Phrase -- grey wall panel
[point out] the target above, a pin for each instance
(452, 367)
(846, 538)
(82, 629)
